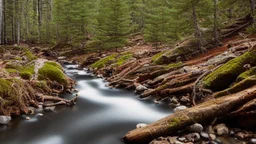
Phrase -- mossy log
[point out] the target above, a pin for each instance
(224, 76)
(242, 85)
(176, 81)
(177, 91)
(206, 111)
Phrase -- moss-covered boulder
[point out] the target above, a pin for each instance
(50, 72)
(123, 58)
(113, 60)
(182, 52)
(224, 76)
(104, 61)
(247, 74)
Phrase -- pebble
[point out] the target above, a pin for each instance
(184, 99)
(196, 128)
(208, 136)
(195, 137)
(182, 139)
(205, 135)
(39, 115)
(178, 142)
(173, 105)
(27, 118)
(179, 108)
(252, 141)
(221, 129)
(5, 119)
(174, 100)
(49, 109)
(141, 125)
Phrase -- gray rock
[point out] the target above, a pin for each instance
(196, 128)
(178, 142)
(205, 135)
(194, 137)
(49, 109)
(252, 141)
(182, 139)
(62, 58)
(174, 100)
(221, 129)
(179, 108)
(174, 105)
(184, 99)
(141, 88)
(5, 120)
(146, 65)
(212, 136)
(141, 125)
(39, 115)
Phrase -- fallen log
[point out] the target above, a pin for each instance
(178, 121)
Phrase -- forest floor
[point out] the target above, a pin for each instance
(183, 80)
(222, 77)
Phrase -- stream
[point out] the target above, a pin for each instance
(101, 116)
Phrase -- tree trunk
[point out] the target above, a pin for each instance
(178, 121)
(198, 33)
(216, 33)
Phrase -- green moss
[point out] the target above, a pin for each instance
(123, 58)
(54, 64)
(247, 74)
(25, 75)
(18, 58)
(29, 55)
(242, 85)
(227, 74)
(26, 72)
(50, 72)
(174, 65)
(11, 71)
(102, 62)
(5, 86)
(156, 57)
(174, 122)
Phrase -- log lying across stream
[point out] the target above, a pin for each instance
(206, 111)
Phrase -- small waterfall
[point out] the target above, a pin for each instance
(1, 20)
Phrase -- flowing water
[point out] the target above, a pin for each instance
(101, 116)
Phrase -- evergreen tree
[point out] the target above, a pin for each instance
(158, 22)
(113, 23)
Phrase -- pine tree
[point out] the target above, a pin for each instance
(113, 23)
(158, 22)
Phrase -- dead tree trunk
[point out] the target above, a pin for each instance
(178, 121)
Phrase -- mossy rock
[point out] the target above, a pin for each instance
(179, 53)
(26, 75)
(156, 57)
(174, 65)
(124, 58)
(247, 74)
(50, 72)
(103, 62)
(29, 55)
(224, 76)
(54, 64)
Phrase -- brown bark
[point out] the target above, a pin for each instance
(206, 111)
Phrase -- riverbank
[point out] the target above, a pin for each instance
(29, 82)
(186, 80)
